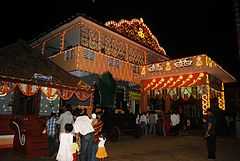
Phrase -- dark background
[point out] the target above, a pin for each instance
(183, 27)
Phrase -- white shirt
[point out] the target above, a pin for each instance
(65, 118)
(156, 116)
(175, 119)
(143, 118)
(83, 125)
(101, 142)
(137, 119)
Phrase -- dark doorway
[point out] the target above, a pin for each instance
(25, 105)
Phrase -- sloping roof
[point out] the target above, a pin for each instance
(137, 31)
(19, 62)
(74, 20)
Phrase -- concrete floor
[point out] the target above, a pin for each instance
(181, 148)
(156, 148)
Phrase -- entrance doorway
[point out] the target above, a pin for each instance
(25, 105)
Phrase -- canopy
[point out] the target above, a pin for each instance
(25, 68)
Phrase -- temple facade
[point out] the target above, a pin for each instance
(133, 55)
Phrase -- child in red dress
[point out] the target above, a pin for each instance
(75, 149)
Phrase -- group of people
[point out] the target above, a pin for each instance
(152, 123)
(79, 136)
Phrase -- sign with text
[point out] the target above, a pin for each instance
(184, 62)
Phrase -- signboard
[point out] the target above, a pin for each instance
(179, 63)
(184, 62)
(155, 67)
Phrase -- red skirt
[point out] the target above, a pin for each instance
(75, 157)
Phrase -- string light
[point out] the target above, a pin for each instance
(176, 81)
(132, 28)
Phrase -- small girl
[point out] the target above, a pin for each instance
(66, 141)
(101, 152)
(75, 149)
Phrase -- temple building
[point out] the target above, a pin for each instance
(133, 55)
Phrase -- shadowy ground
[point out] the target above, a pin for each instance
(156, 148)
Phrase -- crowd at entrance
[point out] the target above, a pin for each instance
(159, 123)
(74, 135)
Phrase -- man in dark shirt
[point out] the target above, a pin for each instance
(211, 135)
(51, 131)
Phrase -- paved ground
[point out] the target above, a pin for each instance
(155, 148)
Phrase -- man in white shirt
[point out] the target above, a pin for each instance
(143, 122)
(175, 120)
(83, 125)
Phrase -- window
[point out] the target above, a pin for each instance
(53, 46)
(84, 36)
(72, 38)
(93, 43)
(68, 55)
(6, 103)
(88, 54)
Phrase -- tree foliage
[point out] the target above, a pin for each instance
(107, 88)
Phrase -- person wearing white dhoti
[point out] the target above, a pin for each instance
(65, 147)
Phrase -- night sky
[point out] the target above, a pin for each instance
(183, 27)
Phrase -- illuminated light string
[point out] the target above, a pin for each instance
(170, 83)
(221, 99)
(200, 76)
(140, 22)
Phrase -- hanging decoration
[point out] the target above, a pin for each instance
(6, 87)
(82, 96)
(172, 92)
(65, 94)
(27, 89)
(50, 93)
(186, 93)
(52, 98)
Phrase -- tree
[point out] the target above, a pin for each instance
(107, 88)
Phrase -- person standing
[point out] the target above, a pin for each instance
(65, 118)
(210, 135)
(97, 125)
(75, 149)
(101, 152)
(51, 132)
(143, 122)
(152, 123)
(65, 152)
(175, 120)
(167, 125)
(83, 125)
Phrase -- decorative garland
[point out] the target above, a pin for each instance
(50, 93)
